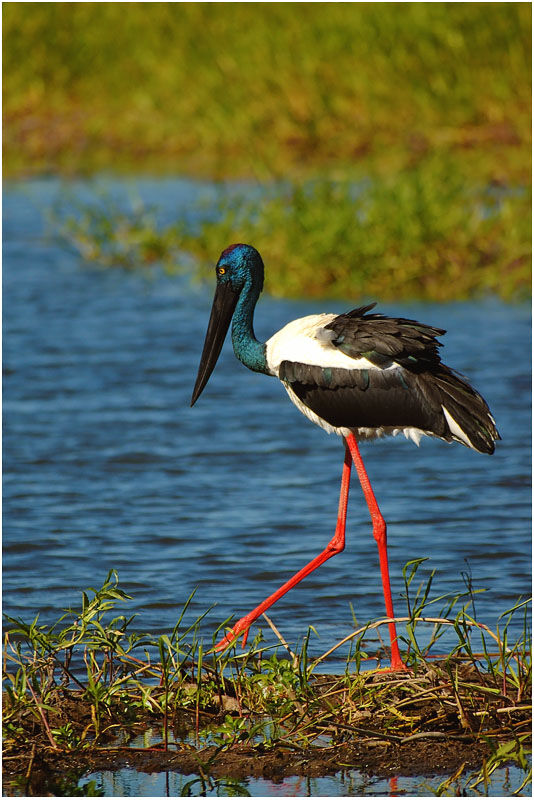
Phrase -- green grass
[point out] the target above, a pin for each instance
(425, 106)
(266, 89)
(425, 233)
(73, 687)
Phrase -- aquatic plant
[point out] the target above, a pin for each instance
(426, 233)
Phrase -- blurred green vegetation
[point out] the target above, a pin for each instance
(424, 233)
(263, 88)
(427, 106)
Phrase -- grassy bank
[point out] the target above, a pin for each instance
(77, 692)
(391, 141)
(266, 89)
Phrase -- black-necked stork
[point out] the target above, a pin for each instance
(359, 375)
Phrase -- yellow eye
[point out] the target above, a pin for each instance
(221, 270)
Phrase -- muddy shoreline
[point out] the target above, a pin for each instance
(36, 768)
(373, 758)
(229, 719)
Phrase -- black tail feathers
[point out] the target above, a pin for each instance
(467, 415)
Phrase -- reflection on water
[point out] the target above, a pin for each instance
(346, 783)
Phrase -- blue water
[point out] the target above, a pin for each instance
(106, 465)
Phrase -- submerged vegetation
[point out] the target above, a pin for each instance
(390, 143)
(79, 691)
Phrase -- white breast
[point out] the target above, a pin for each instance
(306, 341)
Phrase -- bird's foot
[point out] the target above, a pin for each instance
(396, 662)
(395, 667)
(241, 627)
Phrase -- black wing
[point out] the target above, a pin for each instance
(407, 387)
(383, 340)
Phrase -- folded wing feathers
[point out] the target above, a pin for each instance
(447, 405)
(359, 334)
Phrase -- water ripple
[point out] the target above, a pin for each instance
(105, 464)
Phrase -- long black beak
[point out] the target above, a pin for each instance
(222, 310)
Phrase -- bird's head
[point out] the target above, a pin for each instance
(239, 269)
(238, 266)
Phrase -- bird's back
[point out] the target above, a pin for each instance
(375, 375)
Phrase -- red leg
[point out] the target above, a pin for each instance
(336, 545)
(380, 534)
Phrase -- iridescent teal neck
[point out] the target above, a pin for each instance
(247, 349)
